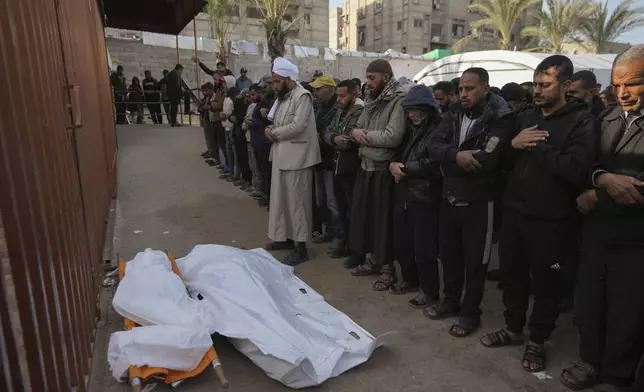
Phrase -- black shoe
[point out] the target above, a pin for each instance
(298, 256)
(210, 162)
(264, 202)
(353, 262)
(441, 311)
(339, 253)
(279, 245)
(337, 244)
(494, 275)
(206, 155)
(320, 238)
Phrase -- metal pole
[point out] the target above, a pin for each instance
(176, 41)
(194, 33)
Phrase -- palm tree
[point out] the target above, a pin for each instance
(559, 24)
(274, 12)
(224, 17)
(500, 15)
(602, 27)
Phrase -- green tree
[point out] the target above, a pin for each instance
(500, 15)
(275, 24)
(224, 17)
(559, 24)
(602, 27)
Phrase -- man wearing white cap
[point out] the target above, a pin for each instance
(294, 152)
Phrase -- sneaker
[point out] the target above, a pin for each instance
(263, 202)
(231, 178)
(321, 238)
(353, 261)
(224, 175)
(280, 245)
(238, 182)
(250, 189)
(298, 256)
(257, 195)
(220, 166)
(243, 186)
(206, 155)
(339, 253)
(337, 244)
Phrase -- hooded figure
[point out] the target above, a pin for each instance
(417, 199)
(294, 152)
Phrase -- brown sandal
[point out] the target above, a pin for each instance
(365, 269)
(386, 280)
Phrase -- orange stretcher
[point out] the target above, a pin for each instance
(140, 374)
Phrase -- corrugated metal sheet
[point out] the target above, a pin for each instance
(57, 175)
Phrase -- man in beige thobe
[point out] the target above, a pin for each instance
(294, 152)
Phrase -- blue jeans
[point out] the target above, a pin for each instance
(325, 197)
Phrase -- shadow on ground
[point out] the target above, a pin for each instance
(170, 199)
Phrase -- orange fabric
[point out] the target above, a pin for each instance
(144, 372)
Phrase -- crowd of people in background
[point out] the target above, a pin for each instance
(551, 170)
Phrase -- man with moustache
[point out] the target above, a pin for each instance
(467, 144)
(583, 88)
(445, 95)
(346, 161)
(294, 152)
(379, 131)
(609, 302)
(551, 158)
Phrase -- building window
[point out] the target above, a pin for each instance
(425, 50)
(437, 30)
(307, 19)
(254, 13)
(399, 26)
(362, 13)
(403, 49)
(458, 30)
(378, 4)
(361, 35)
(418, 23)
(436, 4)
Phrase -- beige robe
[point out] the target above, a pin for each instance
(294, 154)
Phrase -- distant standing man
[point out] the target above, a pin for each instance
(609, 302)
(119, 85)
(163, 86)
(294, 152)
(346, 160)
(467, 144)
(152, 97)
(583, 88)
(174, 90)
(243, 82)
(445, 95)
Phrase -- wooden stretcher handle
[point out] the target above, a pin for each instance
(136, 384)
(219, 371)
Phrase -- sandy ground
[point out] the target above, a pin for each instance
(174, 201)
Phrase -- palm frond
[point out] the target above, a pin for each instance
(558, 24)
(224, 17)
(500, 15)
(602, 27)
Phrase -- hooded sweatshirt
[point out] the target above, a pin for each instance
(545, 181)
(486, 131)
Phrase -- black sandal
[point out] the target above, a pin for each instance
(579, 376)
(441, 311)
(464, 327)
(500, 338)
(403, 288)
(386, 280)
(534, 354)
(422, 301)
(365, 269)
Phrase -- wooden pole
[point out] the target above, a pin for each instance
(176, 41)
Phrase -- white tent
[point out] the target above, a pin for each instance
(506, 66)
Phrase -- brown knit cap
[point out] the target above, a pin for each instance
(380, 66)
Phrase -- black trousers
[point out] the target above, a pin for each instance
(186, 102)
(219, 143)
(211, 138)
(174, 110)
(155, 112)
(120, 107)
(264, 167)
(416, 244)
(532, 253)
(166, 108)
(241, 150)
(372, 216)
(343, 185)
(610, 309)
(465, 242)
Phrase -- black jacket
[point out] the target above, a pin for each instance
(324, 113)
(423, 181)
(343, 123)
(174, 86)
(487, 135)
(620, 152)
(545, 181)
(151, 88)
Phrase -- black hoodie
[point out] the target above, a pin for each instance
(487, 135)
(545, 181)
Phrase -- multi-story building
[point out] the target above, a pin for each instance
(419, 26)
(336, 27)
(248, 23)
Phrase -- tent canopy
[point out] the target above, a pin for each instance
(437, 54)
(506, 66)
(156, 16)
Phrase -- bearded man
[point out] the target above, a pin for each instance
(294, 152)
(379, 132)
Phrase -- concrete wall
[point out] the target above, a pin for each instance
(137, 57)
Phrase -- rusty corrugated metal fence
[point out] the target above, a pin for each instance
(57, 176)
